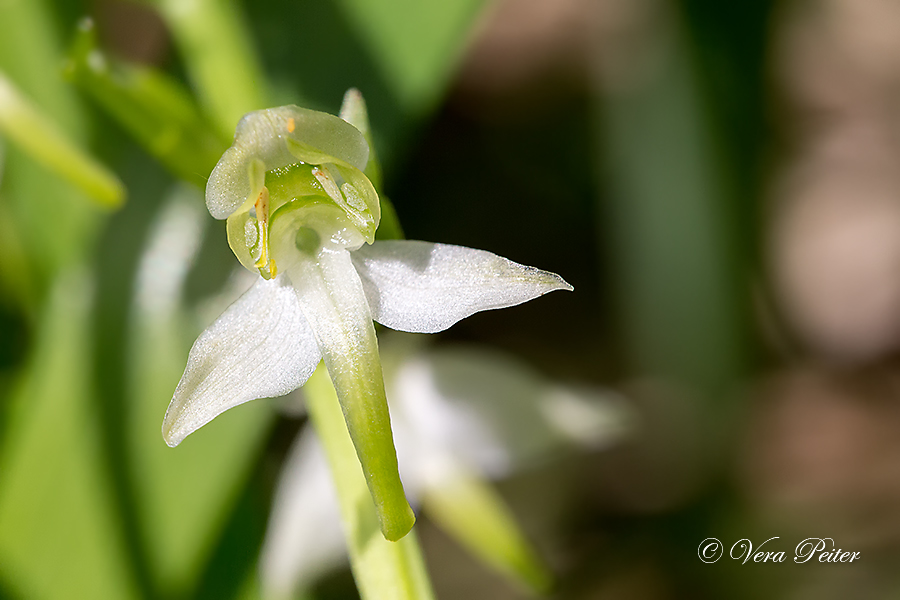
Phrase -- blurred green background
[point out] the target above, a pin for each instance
(718, 180)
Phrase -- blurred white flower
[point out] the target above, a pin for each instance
(459, 416)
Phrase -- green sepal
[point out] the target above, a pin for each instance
(355, 112)
(278, 137)
(389, 228)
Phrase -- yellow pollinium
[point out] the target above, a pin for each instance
(267, 267)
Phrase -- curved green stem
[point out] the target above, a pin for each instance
(383, 570)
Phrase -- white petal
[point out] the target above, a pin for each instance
(425, 288)
(304, 538)
(262, 346)
(492, 412)
(174, 242)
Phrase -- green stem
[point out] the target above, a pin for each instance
(382, 569)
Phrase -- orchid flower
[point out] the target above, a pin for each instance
(461, 415)
(302, 214)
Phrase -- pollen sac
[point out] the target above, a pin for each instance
(286, 155)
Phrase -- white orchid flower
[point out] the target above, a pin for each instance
(302, 214)
(459, 415)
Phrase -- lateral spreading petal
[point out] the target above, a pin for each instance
(262, 346)
(425, 288)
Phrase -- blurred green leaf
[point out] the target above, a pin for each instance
(151, 106)
(416, 44)
(38, 136)
(220, 57)
(671, 225)
(17, 282)
(383, 570)
(59, 538)
(54, 221)
(469, 509)
(251, 590)
(184, 494)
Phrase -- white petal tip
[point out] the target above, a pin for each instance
(176, 426)
(560, 284)
(549, 281)
(171, 436)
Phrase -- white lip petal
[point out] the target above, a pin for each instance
(331, 296)
(261, 347)
(425, 288)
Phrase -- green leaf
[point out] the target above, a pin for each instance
(383, 570)
(220, 57)
(53, 220)
(59, 537)
(671, 223)
(17, 281)
(37, 135)
(184, 495)
(415, 43)
(469, 509)
(151, 106)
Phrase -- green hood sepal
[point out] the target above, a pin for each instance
(283, 156)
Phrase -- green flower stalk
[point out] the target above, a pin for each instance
(302, 214)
